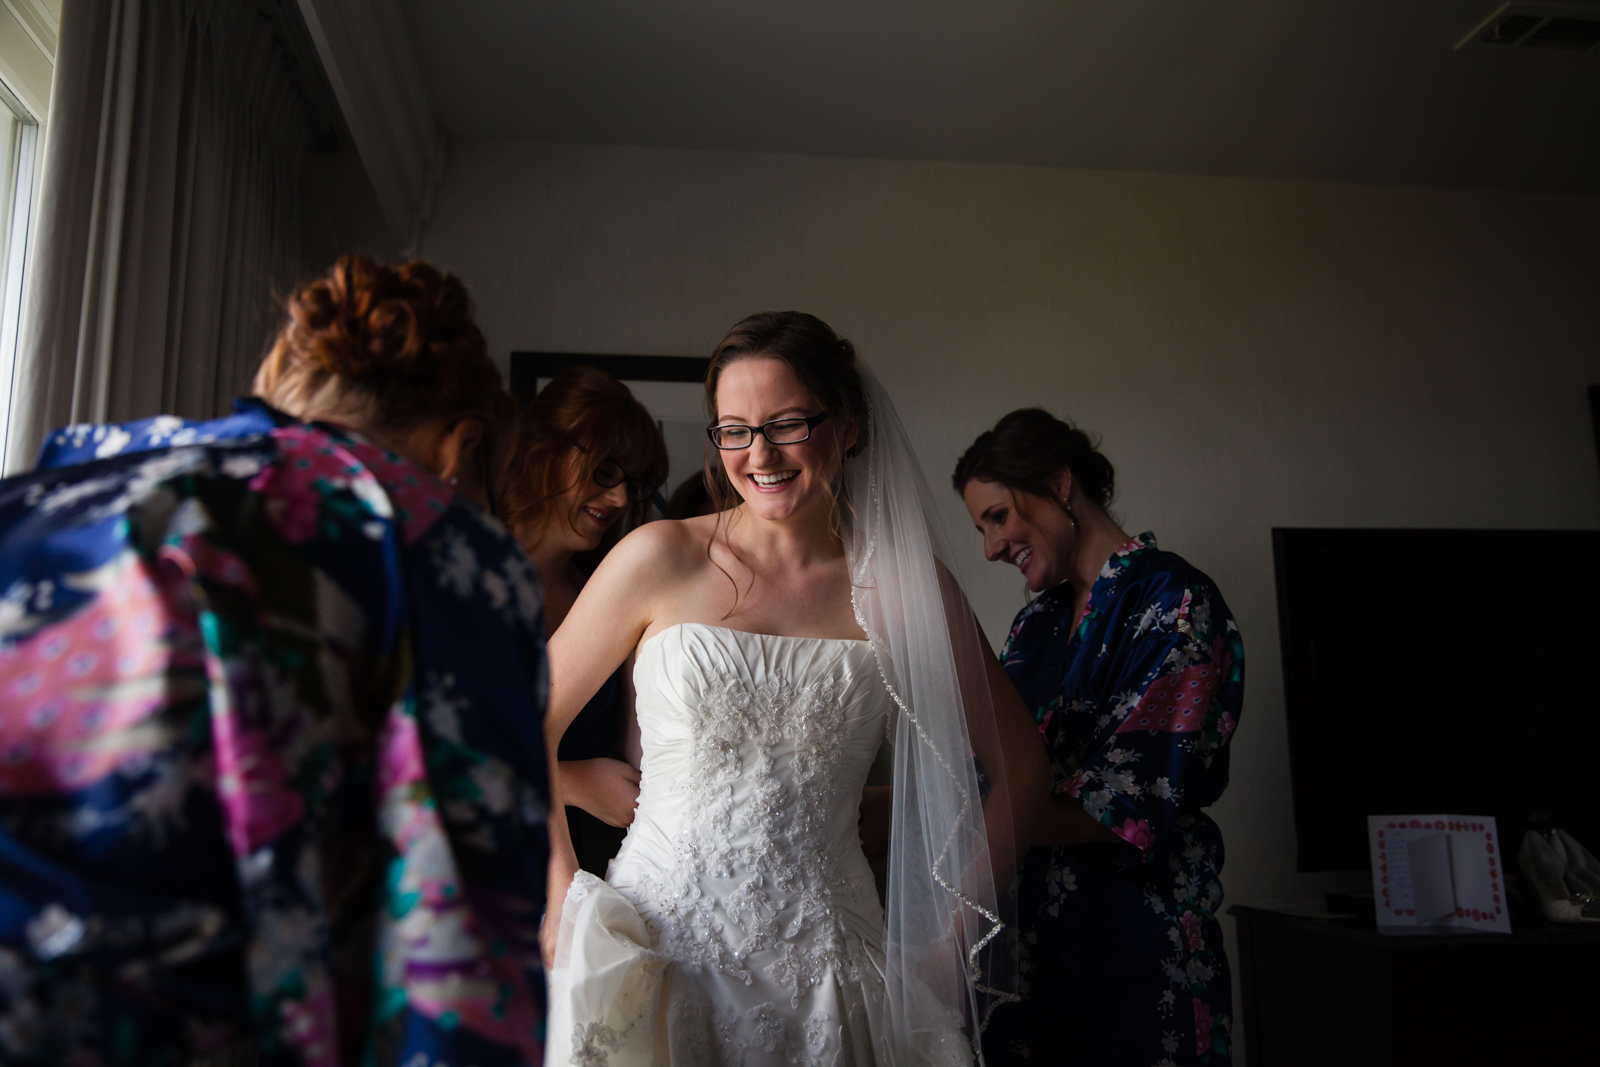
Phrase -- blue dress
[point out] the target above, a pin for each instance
(271, 763)
(1121, 953)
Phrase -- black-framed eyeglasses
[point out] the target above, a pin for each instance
(731, 436)
(609, 475)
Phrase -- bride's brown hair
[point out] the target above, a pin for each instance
(825, 364)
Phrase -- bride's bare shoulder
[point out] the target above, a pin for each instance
(665, 549)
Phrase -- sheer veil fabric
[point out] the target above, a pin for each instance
(950, 956)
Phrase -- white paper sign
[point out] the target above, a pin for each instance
(1437, 870)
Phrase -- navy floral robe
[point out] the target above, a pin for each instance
(272, 770)
(1122, 957)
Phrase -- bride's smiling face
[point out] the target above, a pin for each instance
(777, 482)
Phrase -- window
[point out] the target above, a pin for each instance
(19, 137)
(28, 32)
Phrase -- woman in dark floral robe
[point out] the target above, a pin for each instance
(1134, 670)
(272, 771)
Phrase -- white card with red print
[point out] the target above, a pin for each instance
(1437, 871)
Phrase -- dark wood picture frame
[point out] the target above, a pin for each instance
(1594, 417)
(527, 368)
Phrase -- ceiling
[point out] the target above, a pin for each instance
(1342, 90)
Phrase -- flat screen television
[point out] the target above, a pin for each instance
(1439, 671)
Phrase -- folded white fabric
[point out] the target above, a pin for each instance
(1562, 874)
(609, 976)
(1583, 870)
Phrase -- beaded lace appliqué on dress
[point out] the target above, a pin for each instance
(788, 880)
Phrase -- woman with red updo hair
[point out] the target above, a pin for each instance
(285, 681)
(585, 468)
(395, 354)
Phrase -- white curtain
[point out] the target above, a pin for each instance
(169, 217)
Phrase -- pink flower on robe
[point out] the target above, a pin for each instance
(1192, 928)
(391, 485)
(254, 787)
(400, 759)
(296, 516)
(418, 497)
(312, 466)
(1202, 1028)
(310, 1027)
(1137, 833)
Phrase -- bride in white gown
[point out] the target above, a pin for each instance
(781, 648)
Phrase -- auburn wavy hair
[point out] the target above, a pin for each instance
(586, 412)
(386, 349)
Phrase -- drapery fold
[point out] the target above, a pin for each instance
(169, 214)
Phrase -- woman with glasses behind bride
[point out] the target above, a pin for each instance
(780, 644)
(586, 464)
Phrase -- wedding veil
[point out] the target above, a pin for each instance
(949, 956)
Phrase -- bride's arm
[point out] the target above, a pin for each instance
(599, 633)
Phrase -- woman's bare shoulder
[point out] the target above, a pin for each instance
(666, 548)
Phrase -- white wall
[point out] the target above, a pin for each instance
(1254, 353)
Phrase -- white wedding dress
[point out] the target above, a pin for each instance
(740, 923)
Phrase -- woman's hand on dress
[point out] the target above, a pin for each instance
(877, 803)
(606, 788)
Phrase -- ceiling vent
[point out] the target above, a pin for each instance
(1543, 26)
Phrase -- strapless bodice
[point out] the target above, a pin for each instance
(756, 749)
(744, 858)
